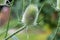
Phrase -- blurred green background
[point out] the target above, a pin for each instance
(18, 8)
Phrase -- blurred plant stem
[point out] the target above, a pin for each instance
(7, 27)
(20, 29)
(52, 36)
(8, 21)
(58, 4)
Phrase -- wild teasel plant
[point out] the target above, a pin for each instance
(26, 21)
(29, 18)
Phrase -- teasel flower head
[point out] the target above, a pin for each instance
(30, 14)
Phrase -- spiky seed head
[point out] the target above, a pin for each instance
(30, 14)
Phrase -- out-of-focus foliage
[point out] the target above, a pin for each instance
(2, 1)
(44, 22)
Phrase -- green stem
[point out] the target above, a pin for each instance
(57, 27)
(8, 22)
(20, 29)
(36, 18)
(52, 36)
(7, 27)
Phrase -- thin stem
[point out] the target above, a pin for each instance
(52, 36)
(8, 22)
(57, 28)
(20, 29)
(58, 4)
(7, 27)
(35, 21)
(18, 16)
(23, 6)
(27, 33)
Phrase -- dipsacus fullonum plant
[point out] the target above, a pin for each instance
(30, 14)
